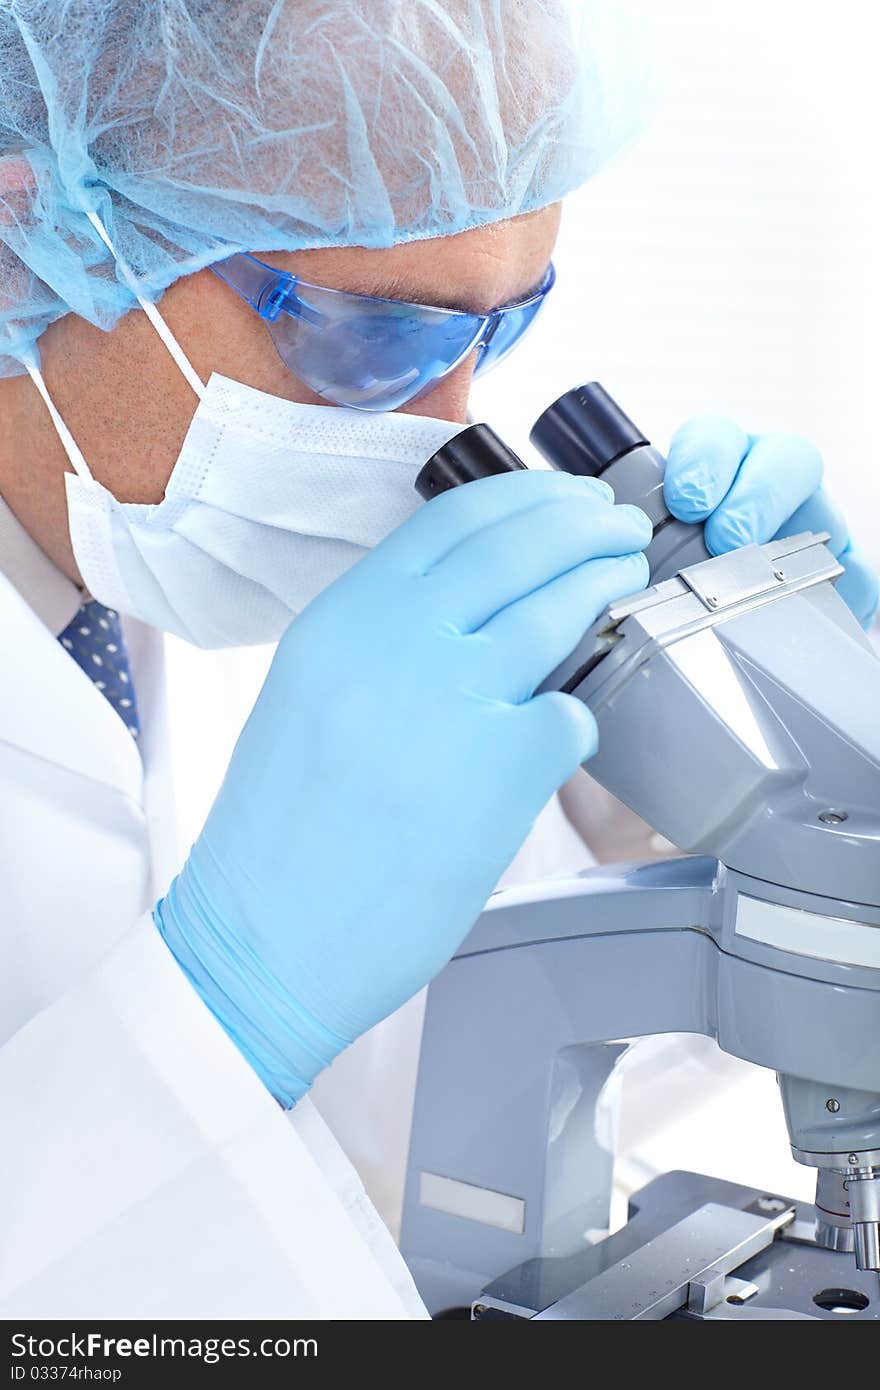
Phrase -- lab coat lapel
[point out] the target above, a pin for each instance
(146, 651)
(49, 707)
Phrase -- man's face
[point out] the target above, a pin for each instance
(129, 407)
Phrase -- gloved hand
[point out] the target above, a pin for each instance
(393, 764)
(754, 488)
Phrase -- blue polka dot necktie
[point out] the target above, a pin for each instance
(96, 642)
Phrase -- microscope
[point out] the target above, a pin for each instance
(738, 705)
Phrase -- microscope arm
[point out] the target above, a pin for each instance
(628, 951)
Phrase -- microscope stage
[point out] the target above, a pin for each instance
(694, 1248)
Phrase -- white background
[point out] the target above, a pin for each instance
(727, 262)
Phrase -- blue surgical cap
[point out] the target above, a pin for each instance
(196, 128)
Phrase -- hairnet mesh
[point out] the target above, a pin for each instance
(195, 128)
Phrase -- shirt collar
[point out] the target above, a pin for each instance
(53, 597)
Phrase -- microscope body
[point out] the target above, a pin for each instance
(512, 1151)
(738, 705)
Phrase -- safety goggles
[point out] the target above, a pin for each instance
(366, 352)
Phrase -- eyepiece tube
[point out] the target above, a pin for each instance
(586, 432)
(477, 452)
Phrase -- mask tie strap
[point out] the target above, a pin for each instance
(31, 362)
(181, 360)
(69, 444)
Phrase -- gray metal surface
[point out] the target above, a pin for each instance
(637, 478)
(513, 1060)
(683, 1266)
(833, 1213)
(737, 711)
(840, 1135)
(777, 1275)
(705, 593)
(734, 728)
(756, 571)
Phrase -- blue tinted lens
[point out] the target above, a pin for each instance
(371, 354)
(512, 324)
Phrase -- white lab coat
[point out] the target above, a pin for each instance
(144, 1169)
(367, 1096)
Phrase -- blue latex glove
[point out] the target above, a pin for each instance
(393, 764)
(754, 488)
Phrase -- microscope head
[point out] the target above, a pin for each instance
(737, 706)
(737, 699)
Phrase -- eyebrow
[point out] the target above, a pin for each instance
(401, 289)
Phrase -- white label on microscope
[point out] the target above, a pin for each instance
(475, 1203)
(833, 939)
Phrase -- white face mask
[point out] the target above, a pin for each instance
(269, 502)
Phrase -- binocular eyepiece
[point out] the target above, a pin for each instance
(584, 432)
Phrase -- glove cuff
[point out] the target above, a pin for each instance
(284, 1044)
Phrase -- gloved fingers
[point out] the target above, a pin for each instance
(502, 563)
(703, 461)
(560, 733)
(818, 513)
(776, 477)
(446, 521)
(524, 642)
(859, 586)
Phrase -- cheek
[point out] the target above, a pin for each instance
(448, 400)
(125, 402)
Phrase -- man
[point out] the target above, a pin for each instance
(338, 204)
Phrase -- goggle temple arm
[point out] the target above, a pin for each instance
(262, 287)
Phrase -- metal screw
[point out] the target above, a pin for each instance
(479, 1309)
(853, 1159)
(779, 574)
(833, 817)
(833, 1106)
(712, 600)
